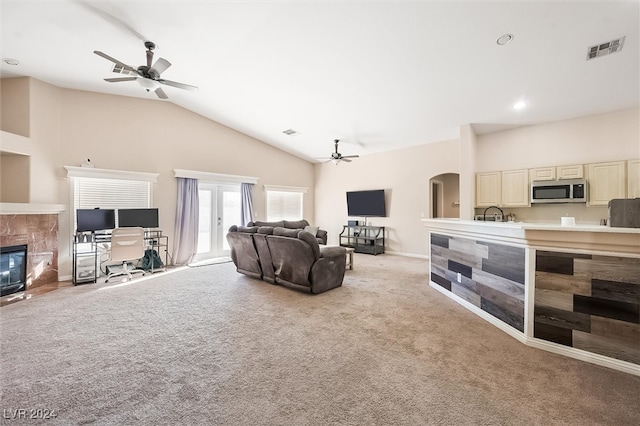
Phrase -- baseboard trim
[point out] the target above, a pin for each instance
(579, 354)
(398, 253)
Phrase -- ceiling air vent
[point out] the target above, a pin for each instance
(289, 132)
(603, 49)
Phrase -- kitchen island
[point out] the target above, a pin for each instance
(573, 290)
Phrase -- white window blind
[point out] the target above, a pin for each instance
(89, 193)
(111, 193)
(284, 205)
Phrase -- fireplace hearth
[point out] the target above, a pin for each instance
(13, 269)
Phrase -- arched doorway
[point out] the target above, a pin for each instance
(445, 196)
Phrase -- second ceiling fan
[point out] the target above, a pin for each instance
(336, 157)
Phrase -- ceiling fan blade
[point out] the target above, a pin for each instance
(115, 61)
(160, 66)
(350, 156)
(117, 79)
(161, 93)
(345, 159)
(176, 84)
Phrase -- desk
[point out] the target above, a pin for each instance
(87, 250)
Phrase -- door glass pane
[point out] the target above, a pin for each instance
(230, 214)
(204, 222)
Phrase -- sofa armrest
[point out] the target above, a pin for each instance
(331, 252)
(328, 271)
(322, 235)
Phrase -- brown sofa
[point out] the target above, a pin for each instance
(321, 234)
(291, 257)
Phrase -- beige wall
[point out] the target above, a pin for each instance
(133, 134)
(14, 178)
(14, 106)
(403, 174)
(591, 139)
(116, 132)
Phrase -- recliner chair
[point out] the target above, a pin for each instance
(127, 244)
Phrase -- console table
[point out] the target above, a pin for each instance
(363, 239)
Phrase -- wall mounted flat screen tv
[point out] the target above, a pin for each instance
(366, 203)
(95, 219)
(144, 218)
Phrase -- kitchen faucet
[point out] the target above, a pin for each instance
(484, 215)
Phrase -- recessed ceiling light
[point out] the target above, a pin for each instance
(504, 39)
(519, 105)
(10, 61)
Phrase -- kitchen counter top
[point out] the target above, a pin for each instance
(542, 226)
(586, 237)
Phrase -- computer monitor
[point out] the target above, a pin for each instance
(95, 219)
(144, 218)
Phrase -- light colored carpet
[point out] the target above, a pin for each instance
(212, 261)
(207, 345)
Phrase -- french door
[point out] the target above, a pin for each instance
(219, 210)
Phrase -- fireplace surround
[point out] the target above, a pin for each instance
(39, 233)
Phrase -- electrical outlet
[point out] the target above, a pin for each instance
(459, 277)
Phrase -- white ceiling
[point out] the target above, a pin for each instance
(381, 75)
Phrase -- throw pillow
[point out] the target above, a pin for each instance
(312, 229)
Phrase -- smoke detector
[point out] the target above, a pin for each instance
(604, 49)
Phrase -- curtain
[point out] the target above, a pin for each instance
(246, 203)
(185, 243)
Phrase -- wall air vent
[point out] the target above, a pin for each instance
(603, 49)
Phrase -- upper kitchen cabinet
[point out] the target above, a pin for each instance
(607, 181)
(515, 188)
(488, 189)
(505, 189)
(633, 179)
(557, 172)
(570, 172)
(542, 173)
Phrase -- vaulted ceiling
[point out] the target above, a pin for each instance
(379, 75)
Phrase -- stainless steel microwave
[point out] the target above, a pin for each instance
(559, 191)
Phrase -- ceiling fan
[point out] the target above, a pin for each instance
(336, 157)
(148, 76)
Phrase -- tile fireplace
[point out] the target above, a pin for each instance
(37, 236)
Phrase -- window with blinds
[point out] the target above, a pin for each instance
(89, 193)
(284, 205)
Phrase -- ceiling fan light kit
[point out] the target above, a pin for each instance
(147, 76)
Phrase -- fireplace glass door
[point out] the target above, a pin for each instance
(13, 269)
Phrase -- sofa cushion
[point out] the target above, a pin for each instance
(284, 232)
(260, 223)
(266, 230)
(295, 224)
(247, 229)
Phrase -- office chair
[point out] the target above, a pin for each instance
(127, 244)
